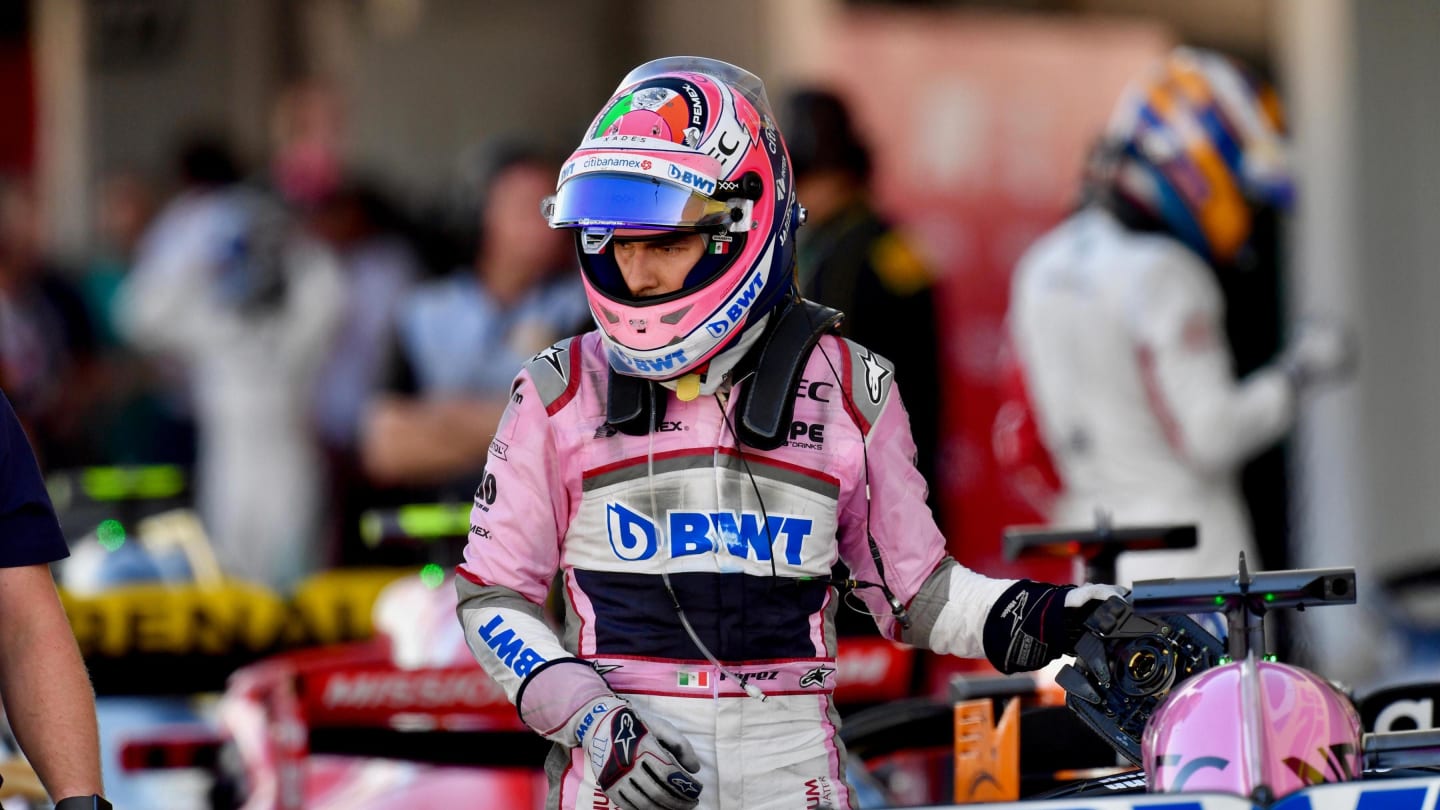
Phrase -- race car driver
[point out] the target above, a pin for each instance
(1117, 317)
(693, 469)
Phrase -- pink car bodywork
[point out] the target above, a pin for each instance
(269, 708)
(418, 674)
(1252, 728)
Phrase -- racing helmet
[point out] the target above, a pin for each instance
(1252, 728)
(685, 144)
(1198, 145)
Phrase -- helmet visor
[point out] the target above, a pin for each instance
(625, 200)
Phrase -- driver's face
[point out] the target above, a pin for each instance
(656, 263)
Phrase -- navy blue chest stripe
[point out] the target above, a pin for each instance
(739, 617)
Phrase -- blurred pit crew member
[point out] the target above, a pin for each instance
(459, 340)
(693, 469)
(48, 701)
(851, 258)
(228, 284)
(1117, 317)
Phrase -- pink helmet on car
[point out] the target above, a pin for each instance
(685, 144)
(1252, 728)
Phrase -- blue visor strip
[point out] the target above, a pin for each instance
(626, 200)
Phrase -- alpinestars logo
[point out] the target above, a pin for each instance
(1016, 610)
(552, 356)
(683, 784)
(625, 737)
(875, 375)
(815, 678)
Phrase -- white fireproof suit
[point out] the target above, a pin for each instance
(1121, 338)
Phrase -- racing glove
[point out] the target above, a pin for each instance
(1033, 623)
(639, 764)
(1322, 351)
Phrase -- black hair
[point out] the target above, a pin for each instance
(207, 159)
(454, 219)
(500, 156)
(820, 134)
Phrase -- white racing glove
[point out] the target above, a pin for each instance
(1093, 592)
(639, 764)
(1323, 350)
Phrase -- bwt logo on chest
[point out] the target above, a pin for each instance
(635, 536)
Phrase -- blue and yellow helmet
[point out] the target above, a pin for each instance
(1199, 145)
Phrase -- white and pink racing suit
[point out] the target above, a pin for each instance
(1121, 337)
(565, 492)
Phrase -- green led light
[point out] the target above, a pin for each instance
(1225, 659)
(110, 534)
(432, 521)
(159, 481)
(121, 483)
(432, 575)
(1269, 597)
(1272, 658)
(1219, 600)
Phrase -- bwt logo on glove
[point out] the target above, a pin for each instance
(639, 766)
(589, 719)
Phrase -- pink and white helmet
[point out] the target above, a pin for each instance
(684, 144)
(1252, 728)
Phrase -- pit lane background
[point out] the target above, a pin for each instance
(106, 82)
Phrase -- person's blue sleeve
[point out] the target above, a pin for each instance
(29, 531)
